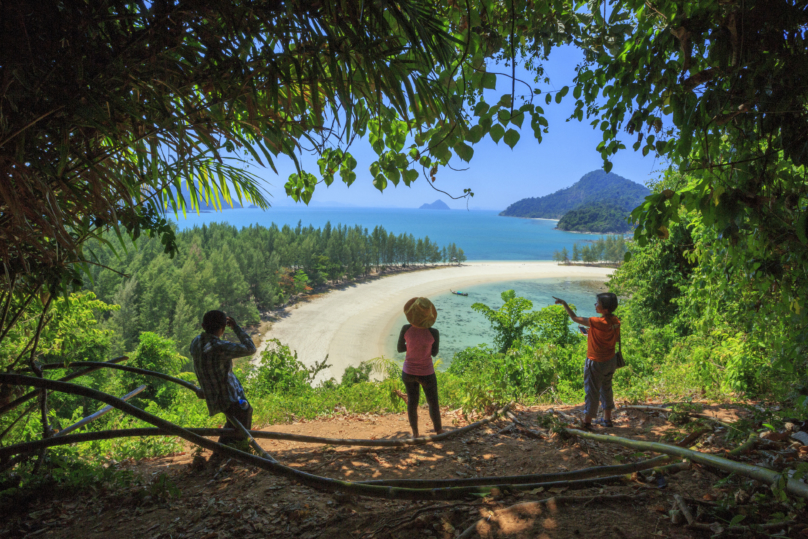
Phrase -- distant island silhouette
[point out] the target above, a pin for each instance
(437, 205)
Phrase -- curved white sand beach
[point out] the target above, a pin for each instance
(351, 325)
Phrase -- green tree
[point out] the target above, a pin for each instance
(185, 325)
(159, 354)
(511, 321)
(125, 322)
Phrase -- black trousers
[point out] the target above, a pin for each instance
(413, 384)
(242, 416)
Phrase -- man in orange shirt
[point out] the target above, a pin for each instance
(601, 340)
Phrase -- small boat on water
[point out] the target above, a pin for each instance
(459, 293)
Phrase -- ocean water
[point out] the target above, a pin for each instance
(461, 327)
(483, 235)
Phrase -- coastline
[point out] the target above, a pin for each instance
(351, 325)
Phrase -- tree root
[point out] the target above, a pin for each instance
(560, 477)
(25, 398)
(692, 437)
(310, 480)
(26, 447)
(749, 444)
(765, 475)
(529, 509)
(524, 429)
(717, 528)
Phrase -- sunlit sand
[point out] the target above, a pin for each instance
(351, 325)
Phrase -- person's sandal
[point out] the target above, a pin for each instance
(587, 427)
(603, 422)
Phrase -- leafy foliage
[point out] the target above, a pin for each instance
(511, 321)
(515, 323)
(600, 217)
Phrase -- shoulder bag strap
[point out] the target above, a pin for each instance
(616, 327)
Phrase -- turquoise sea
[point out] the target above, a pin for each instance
(461, 327)
(483, 235)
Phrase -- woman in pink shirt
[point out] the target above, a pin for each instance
(421, 342)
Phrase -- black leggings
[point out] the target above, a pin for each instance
(413, 385)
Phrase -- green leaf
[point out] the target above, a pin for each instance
(497, 132)
(736, 520)
(518, 118)
(466, 152)
(481, 108)
(410, 176)
(511, 137)
(503, 116)
(380, 182)
(475, 134)
(489, 81)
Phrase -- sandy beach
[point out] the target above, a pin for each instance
(351, 325)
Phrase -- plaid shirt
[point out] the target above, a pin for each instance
(213, 363)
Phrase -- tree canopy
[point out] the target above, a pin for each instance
(107, 109)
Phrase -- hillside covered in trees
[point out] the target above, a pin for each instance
(240, 271)
(606, 197)
(598, 217)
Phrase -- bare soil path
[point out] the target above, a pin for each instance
(230, 500)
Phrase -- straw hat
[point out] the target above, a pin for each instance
(420, 312)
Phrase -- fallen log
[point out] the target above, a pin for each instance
(25, 398)
(314, 481)
(750, 443)
(125, 368)
(253, 443)
(692, 437)
(584, 473)
(765, 475)
(26, 447)
(565, 417)
(538, 434)
(92, 417)
(529, 509)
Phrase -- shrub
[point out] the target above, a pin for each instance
(355, 375)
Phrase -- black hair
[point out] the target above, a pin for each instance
(213, 321)
(608, 301)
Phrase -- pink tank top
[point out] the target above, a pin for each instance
(419, 352)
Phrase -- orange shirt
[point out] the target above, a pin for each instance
(602, 339)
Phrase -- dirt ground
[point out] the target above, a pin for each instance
(231, 500)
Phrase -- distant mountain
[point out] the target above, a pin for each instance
(596, 187)
(437, 205)
(596, 217)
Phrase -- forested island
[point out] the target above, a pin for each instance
(599, 202)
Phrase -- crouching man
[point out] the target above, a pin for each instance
(213, 363)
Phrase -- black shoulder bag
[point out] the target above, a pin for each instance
(619, 355)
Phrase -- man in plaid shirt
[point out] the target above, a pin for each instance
(213, 363)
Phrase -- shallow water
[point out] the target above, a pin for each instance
(461, 327)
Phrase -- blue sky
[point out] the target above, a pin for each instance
(498, 175)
